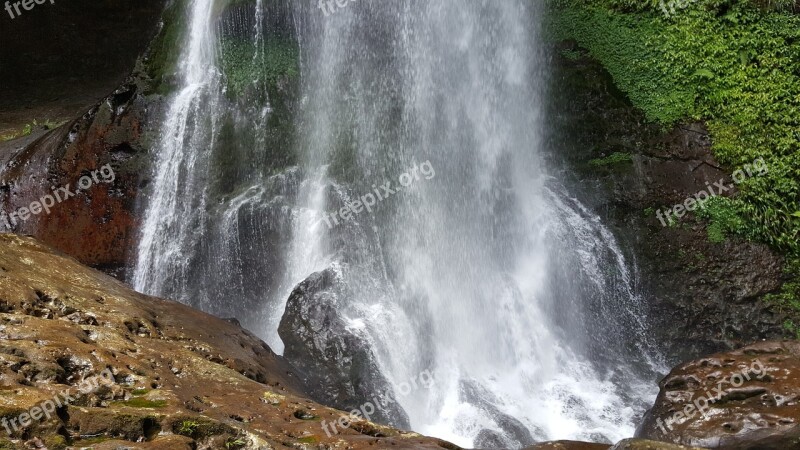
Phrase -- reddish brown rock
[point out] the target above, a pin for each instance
(743, 399)
(96, 226)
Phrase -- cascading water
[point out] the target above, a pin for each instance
(485, 270)
(172, 224)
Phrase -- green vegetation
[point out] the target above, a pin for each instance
(187, 427)
(730, 63)
(164, 52)
(28, 128)
(232, 444)
(612, 159)
(244, 65)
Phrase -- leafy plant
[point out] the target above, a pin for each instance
(232, 444)
(188, 427)
(732, 64)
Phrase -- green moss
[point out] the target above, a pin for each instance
(787, 301)
(27, 129)
(612, 159)
(200, 428)
(8, 445)
(80, 443)
(164, 52)
(245, 66)
(731, 63)
(55, 442)
(233, 444)
(140, 392)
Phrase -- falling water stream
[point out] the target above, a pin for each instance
(485, 270)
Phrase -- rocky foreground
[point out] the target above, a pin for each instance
(88, 363)
(181, 379)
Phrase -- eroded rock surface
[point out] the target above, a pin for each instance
(742, 399)
(181, 378)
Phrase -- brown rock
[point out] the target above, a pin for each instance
(568, 445)
(641, 444)
(181, 378)
(743, 399)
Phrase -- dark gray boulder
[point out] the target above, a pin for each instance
(333, 357)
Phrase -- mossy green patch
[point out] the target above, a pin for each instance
(164, 52)
(732, 64)
(245, 64)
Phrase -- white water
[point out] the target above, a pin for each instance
(491, 274)
(172, 222)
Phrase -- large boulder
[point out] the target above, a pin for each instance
(331, 353)
(137, 372)
(742, 399)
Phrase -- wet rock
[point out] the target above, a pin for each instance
(175, 377)
(514, 433)
(702, 297)
(334, 358)
(742, 399)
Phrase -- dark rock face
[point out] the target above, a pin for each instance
(334, 358)
(702, 297)
(61, 57)
(97, 225)
(743, 399)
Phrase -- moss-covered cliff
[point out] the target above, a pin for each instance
(731, 64)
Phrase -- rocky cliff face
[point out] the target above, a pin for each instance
(140, 372)
(81, 80)
(59, 58)
(703, 296)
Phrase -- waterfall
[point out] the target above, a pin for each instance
(173, 221)
(483, 269)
